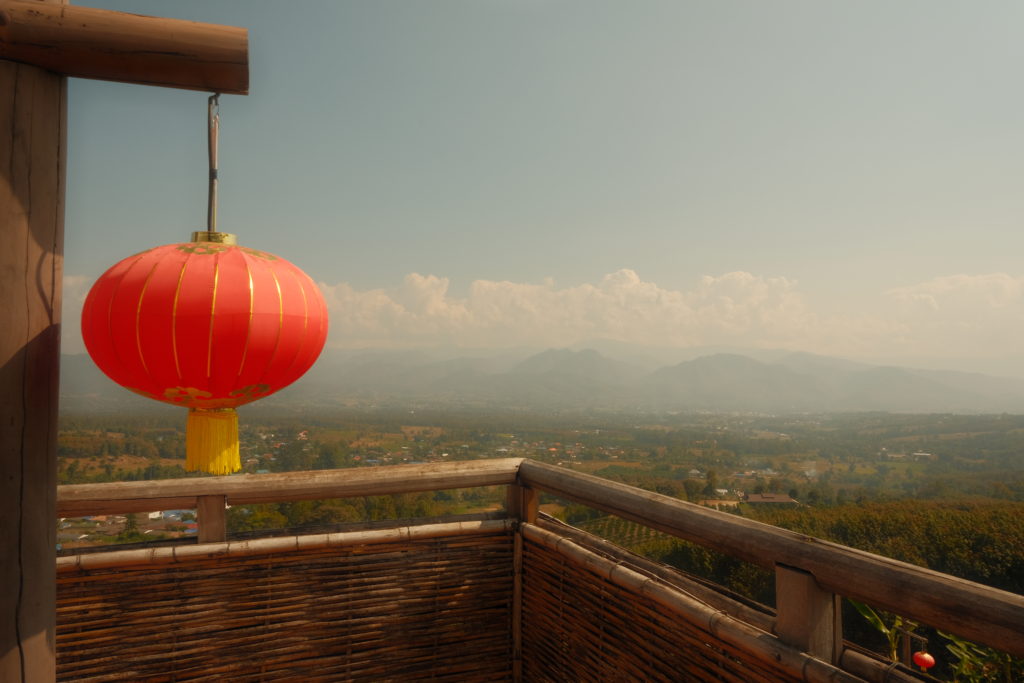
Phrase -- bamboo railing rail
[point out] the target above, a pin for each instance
(282, 544)
(971, 610)
(240, 489)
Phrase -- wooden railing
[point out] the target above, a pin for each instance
(210, 495)
(811, 575)
(810, 572)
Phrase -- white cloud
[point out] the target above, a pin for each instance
(978, 314)
(734, 308)
(966, 295)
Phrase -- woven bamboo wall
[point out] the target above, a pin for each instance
(578, 626)
(435, 608)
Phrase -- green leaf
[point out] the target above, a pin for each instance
(871, 615)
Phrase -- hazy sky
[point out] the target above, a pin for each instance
(838, 177)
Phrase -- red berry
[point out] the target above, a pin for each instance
(924, 660)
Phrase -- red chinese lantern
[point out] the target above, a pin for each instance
(208, 325)
(924, 660)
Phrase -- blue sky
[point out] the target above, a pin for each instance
(835, 177)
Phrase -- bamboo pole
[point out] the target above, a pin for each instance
(278, 544)
(875, 670)
(130, 48)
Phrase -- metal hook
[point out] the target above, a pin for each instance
(213, 126)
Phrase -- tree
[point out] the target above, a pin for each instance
(130, 533)
(693, 488)
(712, 479)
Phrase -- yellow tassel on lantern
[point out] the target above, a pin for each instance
(211, 441)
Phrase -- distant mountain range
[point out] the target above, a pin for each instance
(585, 379)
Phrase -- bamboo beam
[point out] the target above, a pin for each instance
(276, 545)
(32, 153)
(143, 496)
(130, 48)
(976, 612)
(876, 670)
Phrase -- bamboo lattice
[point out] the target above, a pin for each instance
(431, 602)
(354, 607)
(580, 626)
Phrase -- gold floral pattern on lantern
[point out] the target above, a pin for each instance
(186, 395)
(258, 254)
(250, 392)
(198, 398)
(203, 248)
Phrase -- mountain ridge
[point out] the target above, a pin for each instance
(588, 379)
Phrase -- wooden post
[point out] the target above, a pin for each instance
(210, 513)
(521, 503)
(32, 132)
(41, 42)
(809, 617)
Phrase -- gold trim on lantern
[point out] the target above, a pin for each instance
(174, 319)
(218, 237)
(248, 323)
(138, 316)
(280, 320)
(213, 313)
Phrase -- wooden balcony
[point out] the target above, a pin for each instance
(515, 597)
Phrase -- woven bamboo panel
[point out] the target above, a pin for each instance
(578, 626)
(431, 608)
